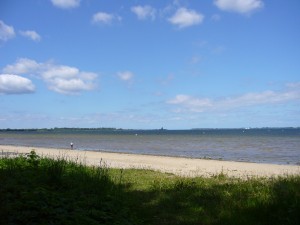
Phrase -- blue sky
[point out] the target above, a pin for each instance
(149, 64)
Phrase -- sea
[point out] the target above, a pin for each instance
(263, 145)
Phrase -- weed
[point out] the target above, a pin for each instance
(33, 159)
(37, 190)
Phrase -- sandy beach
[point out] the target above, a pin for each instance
(175, 165)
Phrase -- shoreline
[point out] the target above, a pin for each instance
(181, 166)
(147, 154)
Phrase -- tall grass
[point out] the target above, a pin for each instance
(36, 190)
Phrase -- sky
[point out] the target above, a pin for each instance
(177, 64)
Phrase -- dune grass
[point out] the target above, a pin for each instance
(37, 190)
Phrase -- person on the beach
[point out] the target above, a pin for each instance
(71, 145)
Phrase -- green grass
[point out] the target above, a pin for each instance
(36, 190)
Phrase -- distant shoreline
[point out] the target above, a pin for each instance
(126, 130)
(176, 165)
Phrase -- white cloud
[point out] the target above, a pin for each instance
(185, 18)
(23, 65)
(69, 86)
(240, 6)
(31, 34)
(190, 103)
(193, 104)
(59, 78)
(88, 75)
(14, 84)
(6, 32)
(59, 71)
(66, 4)
(68, 80)
(105, 18)
(125, 76)
(144, 12)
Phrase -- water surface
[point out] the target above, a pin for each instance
(276, 146)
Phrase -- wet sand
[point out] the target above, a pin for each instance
(179, 166)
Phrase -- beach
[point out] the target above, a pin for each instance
(186, 167)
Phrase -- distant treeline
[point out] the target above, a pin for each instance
(74, 129)
(111, 129)
(62, 129)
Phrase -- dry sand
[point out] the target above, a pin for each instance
(175, 165)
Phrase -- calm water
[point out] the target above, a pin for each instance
(276, 146)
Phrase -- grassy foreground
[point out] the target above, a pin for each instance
(36, 190)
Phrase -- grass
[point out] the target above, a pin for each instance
(35, 190)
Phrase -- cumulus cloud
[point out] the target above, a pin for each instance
(67, 80)
(239, 6)
(22, 66)
(186, 17)
(69, 86)
(14, 84)
(66, 4)
(6, 32)
(59, 78)
(125, 76)
(105, 18)
(194, 104)
(31, 34)
(144, 12)
(59, 71)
